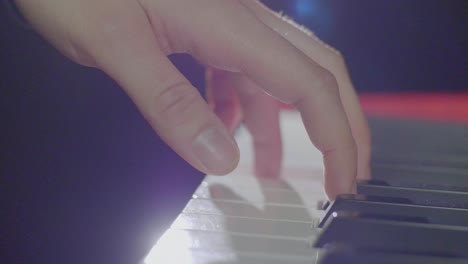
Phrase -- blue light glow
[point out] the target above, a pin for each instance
(305, 7)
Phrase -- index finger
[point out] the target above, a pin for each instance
(241, 42)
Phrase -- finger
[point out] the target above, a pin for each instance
(240, 42)
(261, 117)
(129, 52)
(223, 99)
(330, 59)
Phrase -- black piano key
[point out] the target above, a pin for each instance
(420, 158)
(342, 254)
(418, 185)
(422, 177)
(394, 236)
(386, 206)
(416, 135)
(326, 205)
(417, 196)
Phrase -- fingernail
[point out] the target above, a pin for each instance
(215, 150)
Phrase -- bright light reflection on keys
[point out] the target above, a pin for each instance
(181, 248)
(244, 219)
(171, 248)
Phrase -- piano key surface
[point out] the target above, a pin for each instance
(420, 196)
(240, 218)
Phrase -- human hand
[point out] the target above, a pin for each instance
(251, 49)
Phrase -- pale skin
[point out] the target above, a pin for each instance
(254, 58)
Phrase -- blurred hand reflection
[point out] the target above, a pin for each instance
(283, 215)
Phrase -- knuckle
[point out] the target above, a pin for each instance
(338, 59)
(162, 35)
(348, 146)
(339, 63)
(328, 82)
(325, 86)
(77, 53)
(176, 104)
(334, 60)
(168, 35)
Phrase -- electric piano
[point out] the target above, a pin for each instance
(414, 210)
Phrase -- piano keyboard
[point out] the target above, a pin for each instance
(415, 210)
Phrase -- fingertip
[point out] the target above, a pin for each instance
(333, 190)
(364, 172)
(362, 136)
(340, 172)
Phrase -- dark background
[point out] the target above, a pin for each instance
(85, 180)
(397, 45)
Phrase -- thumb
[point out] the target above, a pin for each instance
(172, 106)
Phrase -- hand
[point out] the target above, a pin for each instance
(252, 50)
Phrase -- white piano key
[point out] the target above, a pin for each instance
(297, 188)
(274, 196)
(220, 223)
(183, 240)
(253, 258)
(190, 256)
(240, 218)
(297, 178)
(263, 211)
(298, 151)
